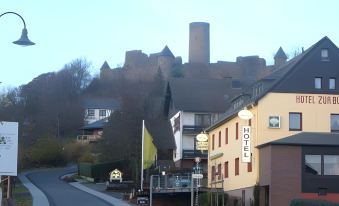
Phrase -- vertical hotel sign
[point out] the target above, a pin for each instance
(8, 148)
(246, 144)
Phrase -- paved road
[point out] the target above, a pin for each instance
(60, 193)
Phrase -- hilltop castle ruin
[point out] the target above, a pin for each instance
(245, 70)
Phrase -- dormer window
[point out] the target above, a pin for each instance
(317, 82)
(324, 55)
(331, 83)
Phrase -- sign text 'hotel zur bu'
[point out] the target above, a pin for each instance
(317, 99)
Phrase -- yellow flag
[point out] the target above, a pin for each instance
(150, 151)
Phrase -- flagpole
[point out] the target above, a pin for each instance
(142, 156)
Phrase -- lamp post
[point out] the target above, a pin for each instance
(23, 41)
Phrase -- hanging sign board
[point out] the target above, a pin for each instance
(202, 142)
(246, 144)
(245, 114)
(9, 148)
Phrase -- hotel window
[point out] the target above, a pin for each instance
(226, 136)
(219, 172)
(226, 169)
(213, 173)
(324, 55)
(219, 138)
(202, 120)
(331, 83)
(249, 122)
(102, 113)
(317, 83)
(213, 142)
(295, 121)
(236, 84)
(90, 112)
(237, 130)
(249, 165)
(236, 166)
(334, 122)
(331, 164)
(322, 164)
(313, 164)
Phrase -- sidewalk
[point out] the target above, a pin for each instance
(109, 198)
(39, 198)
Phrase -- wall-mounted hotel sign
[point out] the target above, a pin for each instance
(317, 99)
(274, 121)
(246, 144)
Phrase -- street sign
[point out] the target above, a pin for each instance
(9, 148)
(197, 176)
(197, 159)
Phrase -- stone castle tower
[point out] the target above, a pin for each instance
(280, 58)
(199, 42)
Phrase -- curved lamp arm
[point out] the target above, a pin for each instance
(23, 41)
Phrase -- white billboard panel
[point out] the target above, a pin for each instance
(9, 148)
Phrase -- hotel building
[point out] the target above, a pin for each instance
(289, 149)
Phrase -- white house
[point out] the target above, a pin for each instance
(192, 105)
(96, 113)
(97, 109)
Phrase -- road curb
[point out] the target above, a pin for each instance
(39, 198)
(100, 195)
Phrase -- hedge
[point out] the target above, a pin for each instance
(309, 202)
(101, 171)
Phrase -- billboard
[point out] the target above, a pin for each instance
(9, 148)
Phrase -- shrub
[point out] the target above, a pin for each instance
(88, 158)
(204, 199)
(46, 152)
(309, 202)
(256, 195)
(75, 151)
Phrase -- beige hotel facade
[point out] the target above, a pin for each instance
(294, 144)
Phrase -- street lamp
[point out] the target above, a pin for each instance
(23, 41)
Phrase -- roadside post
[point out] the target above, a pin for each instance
(196, 176)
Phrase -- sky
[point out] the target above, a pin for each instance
(104, 30)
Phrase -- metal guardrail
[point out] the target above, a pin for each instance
(192, 129)
(88, 138)
(174, 183)
(191, 154)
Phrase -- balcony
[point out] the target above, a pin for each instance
(191, 154)
(86, 139)
(192, 129)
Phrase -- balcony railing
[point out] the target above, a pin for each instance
(191, 154)
(88, 138)
(192, 129)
